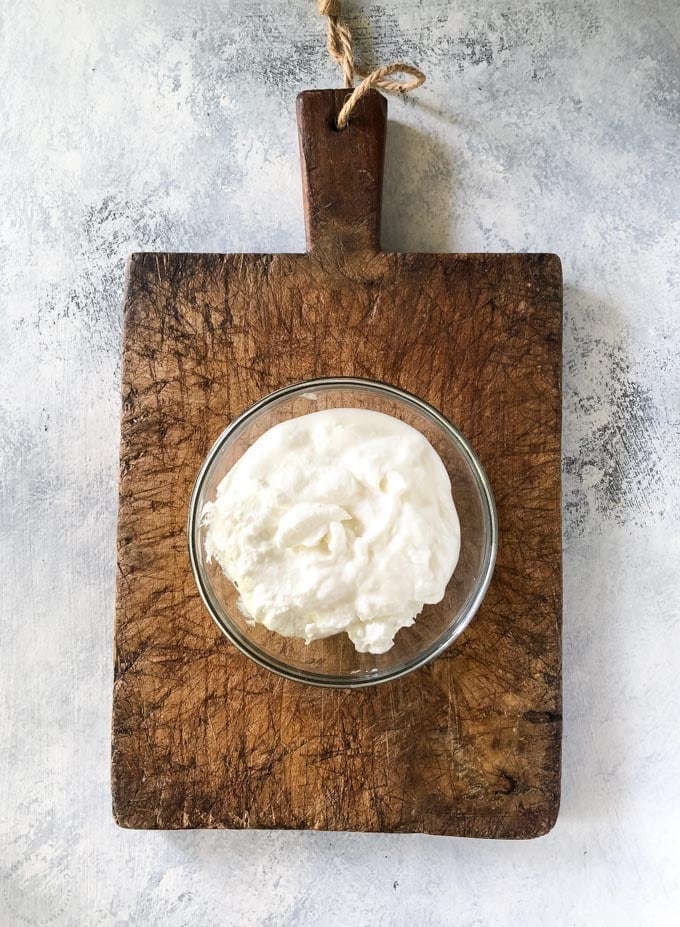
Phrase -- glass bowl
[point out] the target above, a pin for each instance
(334, 661)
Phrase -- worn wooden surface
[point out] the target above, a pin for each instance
(202, 737)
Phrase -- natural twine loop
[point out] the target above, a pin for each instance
(340, 49)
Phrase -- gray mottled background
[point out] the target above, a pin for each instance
(544, 125)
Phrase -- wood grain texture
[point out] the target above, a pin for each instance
(202, 737)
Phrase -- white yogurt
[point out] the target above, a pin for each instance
(340, 520)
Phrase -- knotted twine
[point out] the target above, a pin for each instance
(340, 49)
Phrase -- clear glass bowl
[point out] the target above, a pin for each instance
(334, 661)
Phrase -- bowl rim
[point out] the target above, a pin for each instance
(490, 517)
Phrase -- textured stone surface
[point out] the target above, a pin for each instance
(543, 126)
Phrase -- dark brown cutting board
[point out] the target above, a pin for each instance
(202, 737)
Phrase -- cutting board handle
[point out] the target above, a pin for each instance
(342, 172)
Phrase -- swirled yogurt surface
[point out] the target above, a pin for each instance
(340, 520)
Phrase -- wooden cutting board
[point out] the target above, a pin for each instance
(202, 737)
